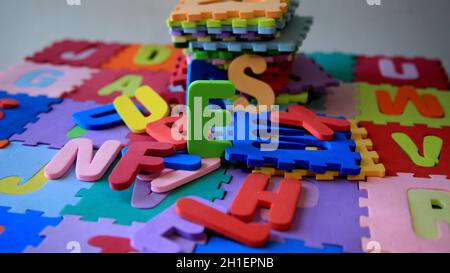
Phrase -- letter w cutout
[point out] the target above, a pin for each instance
(427, 104)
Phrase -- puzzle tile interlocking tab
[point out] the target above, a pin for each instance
(396, 159)
(22, 230)
(58, 123)
(290, 39)
(77, 53)
(407, 214)
(404, 105)
(107, 84)
(43, 79)
(400, 71)
(14, 119)
(56, 239)
(116, 204)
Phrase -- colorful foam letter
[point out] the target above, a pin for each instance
(131, 115)
(199, 94)
(258, 89)
(320, 127)
(141, 156)
(427, 104)
(427, 207)
(282, 204)
(39, 78)
(88, 168)
(251, 234)
(161, 130)
(432, 146)
(126, 85)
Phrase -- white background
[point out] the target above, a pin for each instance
(406, 27)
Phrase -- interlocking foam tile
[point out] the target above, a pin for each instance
(263, 25)
(328, 213)
(72, 229)
(290, 39)
(227, 56)
(170, 233)
(145, 57)
(181, 39)
(341, 101)
(100, 88)
(370, 166)
(191, 28)
(43, 79)
(117, 204)
(15, 119)
(196, 10)
(77, 53)
(339, 65)
(369, 106)
(22, 230)
(53, 128)
(396, 160)
(23, 185)
(337, 155)
(309, 76)
(407, 214)
(418, 72)
(218, 244)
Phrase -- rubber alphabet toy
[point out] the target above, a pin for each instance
(251, 234)
(282, 204)
(320, 127)
(258, 89)
(131, 115)
(141, 156)
(199, 94)
(88, 168)
(427, 104)
(161, 130)
(99, 118)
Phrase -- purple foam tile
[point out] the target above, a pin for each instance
(52, 127)
(72, 231)
(310, 76)
(328, 212)
(143, 197)
(157, 235)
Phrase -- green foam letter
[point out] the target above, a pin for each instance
(427, 207)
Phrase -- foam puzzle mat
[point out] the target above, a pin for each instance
(101, 151)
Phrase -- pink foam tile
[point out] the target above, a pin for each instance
(389, 219)
(43, 79)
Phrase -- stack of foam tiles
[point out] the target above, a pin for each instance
(219, 33)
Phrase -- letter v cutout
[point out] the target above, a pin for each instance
(432, 146)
